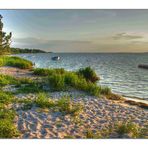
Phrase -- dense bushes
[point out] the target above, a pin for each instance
(15, 62)
(89, 74)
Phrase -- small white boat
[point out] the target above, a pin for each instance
(56, 58)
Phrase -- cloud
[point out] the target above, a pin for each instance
(126, 36)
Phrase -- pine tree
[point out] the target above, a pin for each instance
(5, 39)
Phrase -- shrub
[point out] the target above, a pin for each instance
(7, 129)
(56, 82)
(89, 74)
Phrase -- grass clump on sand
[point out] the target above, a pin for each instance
(125, 129)
(67, 106)
(89, 74)
(46, 72)
(44, 101)
(15, 62)
(5, 80)
(57, 82)
(64, 105)
(72, 80)
(84, 79)
(130, 130)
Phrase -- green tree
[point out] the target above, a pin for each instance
(5, 39)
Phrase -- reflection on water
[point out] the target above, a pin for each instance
(118, 71)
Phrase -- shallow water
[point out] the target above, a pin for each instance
(118, 71)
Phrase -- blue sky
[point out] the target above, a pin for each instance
(78, 30)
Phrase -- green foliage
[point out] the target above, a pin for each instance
(91, 135)
(5, 80)
(93, 89)
(56, 82)
(43, 101)
(5, 98)
(46, 72)
(105, 90)
(128, 128)
(7, 114)
(26, 50)
(15, 62)
(30, 88)
(89, 74)
(5, 39)
(7, 129)
(66, 106)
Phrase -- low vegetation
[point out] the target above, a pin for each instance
(84, 79)
(7, 127)
(125, 129)
(130, 130)
(64, 105)
(15, 62)
(89, 74)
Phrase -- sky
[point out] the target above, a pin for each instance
(78, 30)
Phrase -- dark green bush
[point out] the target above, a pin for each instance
(89, 74)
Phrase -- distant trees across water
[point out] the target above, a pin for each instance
(26, 50)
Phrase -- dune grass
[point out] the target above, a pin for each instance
(89, 74)
(131, 129)
(15, 62)
(124, 129)
(64, 104)
(7, 127)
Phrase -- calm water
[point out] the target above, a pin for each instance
(118, 71)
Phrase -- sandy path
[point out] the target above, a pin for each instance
(17, 72)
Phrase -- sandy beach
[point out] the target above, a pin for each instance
(98, 114)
